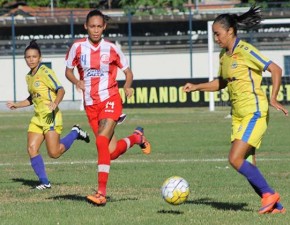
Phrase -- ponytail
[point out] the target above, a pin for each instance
(247, 20)
(250, 18)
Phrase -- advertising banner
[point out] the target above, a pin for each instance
(169, 93)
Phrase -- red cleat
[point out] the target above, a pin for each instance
(144, 143)
(98, 199)
(277, 211)
(268, 203)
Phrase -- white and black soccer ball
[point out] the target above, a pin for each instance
(175, 190)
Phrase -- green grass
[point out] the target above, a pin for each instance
(188, 142)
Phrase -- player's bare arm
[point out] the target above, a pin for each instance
(128, 83)
(14, 105)
(214, 85)
(276, 74)
(69, 73)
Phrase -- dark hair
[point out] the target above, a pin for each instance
(97, 12)
(33, 45)
(247, 20)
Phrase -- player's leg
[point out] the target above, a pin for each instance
(34, 141)
(105, 132)
(56, 146)
(246, 137)
(119, 147)
(251, 157)
(258, 131)
(256, 179)
(103, 119)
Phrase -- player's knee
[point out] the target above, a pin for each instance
(234, 161)
(32, 151)
(53, 154)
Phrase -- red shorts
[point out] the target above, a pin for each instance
(110, 108)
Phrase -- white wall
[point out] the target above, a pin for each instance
(144, 66)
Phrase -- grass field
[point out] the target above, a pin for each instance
(190, 142)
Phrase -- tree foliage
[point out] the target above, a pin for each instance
(64, 3)
(152, 6)
(138, 5)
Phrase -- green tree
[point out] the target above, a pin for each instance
(152, 3)
(152, 6)
(64, 3)
(137, 6)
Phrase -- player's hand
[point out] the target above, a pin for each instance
(188, 87)
(129, 92)
(278, 106)
(49, 118)
(80, 85)
(11, 105)
(52, 106)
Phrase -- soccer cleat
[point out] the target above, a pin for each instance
(121, 118)
(82, 135)
(144, 143)
(43, 186)
(268, 203)
(98, 199)
(277, 211)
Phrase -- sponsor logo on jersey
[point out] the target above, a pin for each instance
(234, 65)
(36, 83)
(94, 73)
(105, 59)
(36, 95)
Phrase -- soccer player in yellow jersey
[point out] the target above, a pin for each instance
(45, 93)
(241, 67)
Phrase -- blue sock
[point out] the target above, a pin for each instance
(256, 189)
(69, 139)
(255, 178)
(39, 169)
(279, 206)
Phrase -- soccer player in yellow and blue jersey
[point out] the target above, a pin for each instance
(241, 67)
(45, 93)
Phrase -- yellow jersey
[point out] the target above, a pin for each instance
(243, 72)
(42, 88)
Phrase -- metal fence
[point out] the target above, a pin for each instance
(173, 34)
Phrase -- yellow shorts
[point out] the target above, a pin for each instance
(41, 125)
(34, 128)
(250, 129)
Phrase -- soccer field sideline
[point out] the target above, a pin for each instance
(141, 161)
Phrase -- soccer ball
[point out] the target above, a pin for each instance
(175, 190)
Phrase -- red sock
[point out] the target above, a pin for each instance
(103, 163)
(123, 145)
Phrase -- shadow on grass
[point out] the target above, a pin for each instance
(219, 205)
(83, 198)
(69, 197)
(110, 199)
(174, 212)
(25, 182)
